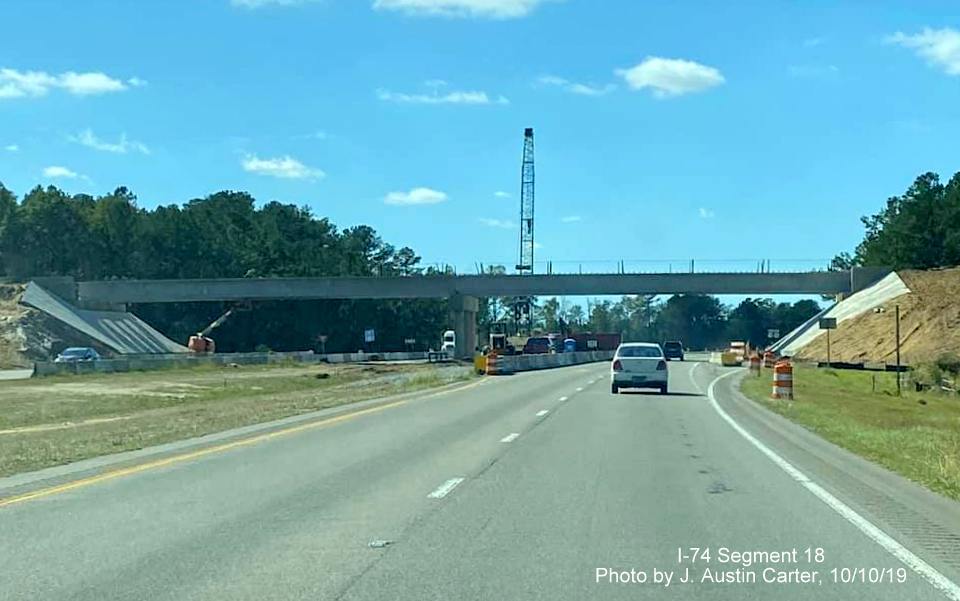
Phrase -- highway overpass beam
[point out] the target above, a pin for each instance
(463, 315)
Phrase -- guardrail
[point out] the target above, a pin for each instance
(187, 360)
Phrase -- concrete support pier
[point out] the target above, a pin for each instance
(463, 316)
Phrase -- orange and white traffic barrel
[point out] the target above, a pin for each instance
(783, 381)
(493, 367)
(769, 359)
(755, 364)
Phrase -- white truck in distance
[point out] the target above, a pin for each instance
(448, 344)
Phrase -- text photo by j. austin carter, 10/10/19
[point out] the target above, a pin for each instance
(722, 565)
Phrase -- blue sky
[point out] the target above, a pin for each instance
(665, 131)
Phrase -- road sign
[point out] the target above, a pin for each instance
(828, 323)
(369, 335)
(409, 340)
(322, 338)
(773, 333)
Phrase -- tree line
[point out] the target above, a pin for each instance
(919, 229)
(699, 321)
(225, 235)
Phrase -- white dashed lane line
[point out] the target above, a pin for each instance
(563, 398)
(542, 412)
(510, 437)
(445, 489)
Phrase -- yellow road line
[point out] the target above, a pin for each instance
(175, 459)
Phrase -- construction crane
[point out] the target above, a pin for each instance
(525, 264)
(522, 305)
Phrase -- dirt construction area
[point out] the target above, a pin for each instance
(929, 325)
(57, 420)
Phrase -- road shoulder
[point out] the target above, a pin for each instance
(924, 521)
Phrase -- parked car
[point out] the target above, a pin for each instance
(638, 365)
(537, 345)
(673, 349)
(76, 354)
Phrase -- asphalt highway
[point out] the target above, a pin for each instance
(541, 485)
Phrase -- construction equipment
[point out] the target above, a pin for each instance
(525, 264)
(201, 342)
(499, 342)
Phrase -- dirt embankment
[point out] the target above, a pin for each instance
(28, 335)
(12, 337)
(929, 324)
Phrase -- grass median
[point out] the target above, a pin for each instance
(916, 435)
(62, 419)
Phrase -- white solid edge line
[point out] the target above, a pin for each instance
(907, 557)
(542, 412)
(694, 380)
(445, 488)
(510, 437)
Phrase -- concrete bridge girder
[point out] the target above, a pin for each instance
(171, 291)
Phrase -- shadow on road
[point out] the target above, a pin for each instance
(655, 393)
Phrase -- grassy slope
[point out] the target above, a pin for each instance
(916, 435)
(41, 421)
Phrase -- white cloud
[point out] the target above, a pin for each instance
(705, 213)
(501, 194)
(670, 76)
(136, 82)
(456, 97)
(121, 146)
(491, 9)
(83, 84)
(262, 3)
(940, 47)
(11, 148)
(19, 84)
(58, 171)
(582, 89)
(501, 223)
(571, 219)
(285, 167)
(416, 196)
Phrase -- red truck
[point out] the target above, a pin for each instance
(596, 342)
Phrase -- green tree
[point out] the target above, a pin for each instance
(8, 212)
(548, 316)
(920, 229)
(695, 319)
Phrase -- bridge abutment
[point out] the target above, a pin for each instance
(463, 315)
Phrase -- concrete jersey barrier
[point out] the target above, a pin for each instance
(515, 363)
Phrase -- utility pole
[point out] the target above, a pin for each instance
(896, 336)
(897, 317)
(829, 364)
